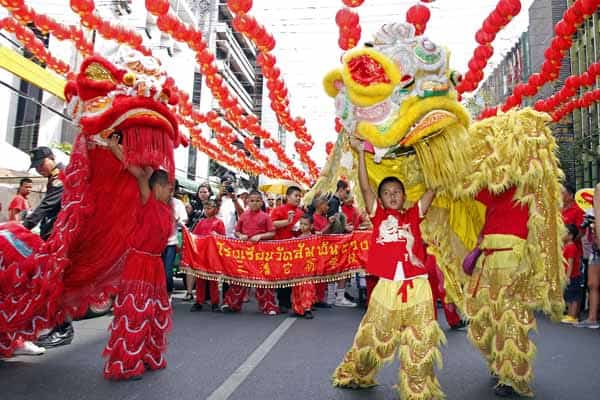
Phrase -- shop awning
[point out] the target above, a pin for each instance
(26, 69)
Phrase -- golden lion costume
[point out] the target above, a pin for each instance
(398, 95)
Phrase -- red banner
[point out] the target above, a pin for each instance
(275, 263)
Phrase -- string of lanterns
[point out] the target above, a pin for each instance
(278, 94)
(504, 12)
(554, 55)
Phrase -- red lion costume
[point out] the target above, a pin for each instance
(44, 283)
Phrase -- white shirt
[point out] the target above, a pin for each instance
(181, 217)
(227, 214)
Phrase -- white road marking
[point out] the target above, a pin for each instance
(243, 371)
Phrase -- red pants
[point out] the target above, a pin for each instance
(303, 297)
(265, 297)
(436, 281)
(321, 292)
(213, 288)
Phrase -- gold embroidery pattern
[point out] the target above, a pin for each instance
(97, 72)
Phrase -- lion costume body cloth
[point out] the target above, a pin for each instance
(45, 283)
(498, 178)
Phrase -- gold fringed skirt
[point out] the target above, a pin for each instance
(392, 326)
(500, 320)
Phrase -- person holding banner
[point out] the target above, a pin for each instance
(285, 217)
(208, 226)
(254, 225)
(401, 311)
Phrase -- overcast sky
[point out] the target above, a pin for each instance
(306, 49)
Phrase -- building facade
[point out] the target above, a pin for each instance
(586, 121)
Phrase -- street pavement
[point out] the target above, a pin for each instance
(251, 356)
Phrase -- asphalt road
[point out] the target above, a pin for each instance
(252, 356)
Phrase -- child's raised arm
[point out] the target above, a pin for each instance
(363, 178)
(425, 201)
(142, 175)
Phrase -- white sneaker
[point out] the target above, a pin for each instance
(344, 302)
(272, 312)
(29, 349)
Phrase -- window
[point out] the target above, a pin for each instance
(192, 160)
(27, 122)
(197, 89)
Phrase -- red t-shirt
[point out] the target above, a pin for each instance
(320, 222)
(574, 215)
(570, 251)
(352, 215)
(254, 222)
(281, 213)
(18, 203)
(207, 226)
(155, 223)
(504, 216)
(397, 251)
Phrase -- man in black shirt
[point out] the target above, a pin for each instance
(42, 159)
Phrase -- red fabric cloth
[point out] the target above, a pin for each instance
(142, 312)
(303, 297)
(265, 297)
(570, 251)
(207, 226)
(320, 222)
(213, 288)
(574, 215)
(18, 203)
(396, 250)
(503, 216)
(142, 318)
(254, 222)
(321, 292)
(281, 213)
(352, 215)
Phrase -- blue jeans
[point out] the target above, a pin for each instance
(168, 257)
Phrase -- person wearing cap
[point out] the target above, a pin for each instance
(242, 195)
(230, 206)
(42, 159)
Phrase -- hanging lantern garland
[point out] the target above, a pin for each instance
(554, 55)
(34, 45)
(584, 101)
(85, 10)
(47, 25)
(570, 88)
(278, 94)
(233, 111)
(504, 12)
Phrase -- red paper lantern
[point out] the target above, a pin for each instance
(239, 6)
(82, 7)
(588, 7)
(418, 15)
(345, 16)
(483, 52)
(158, 7)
